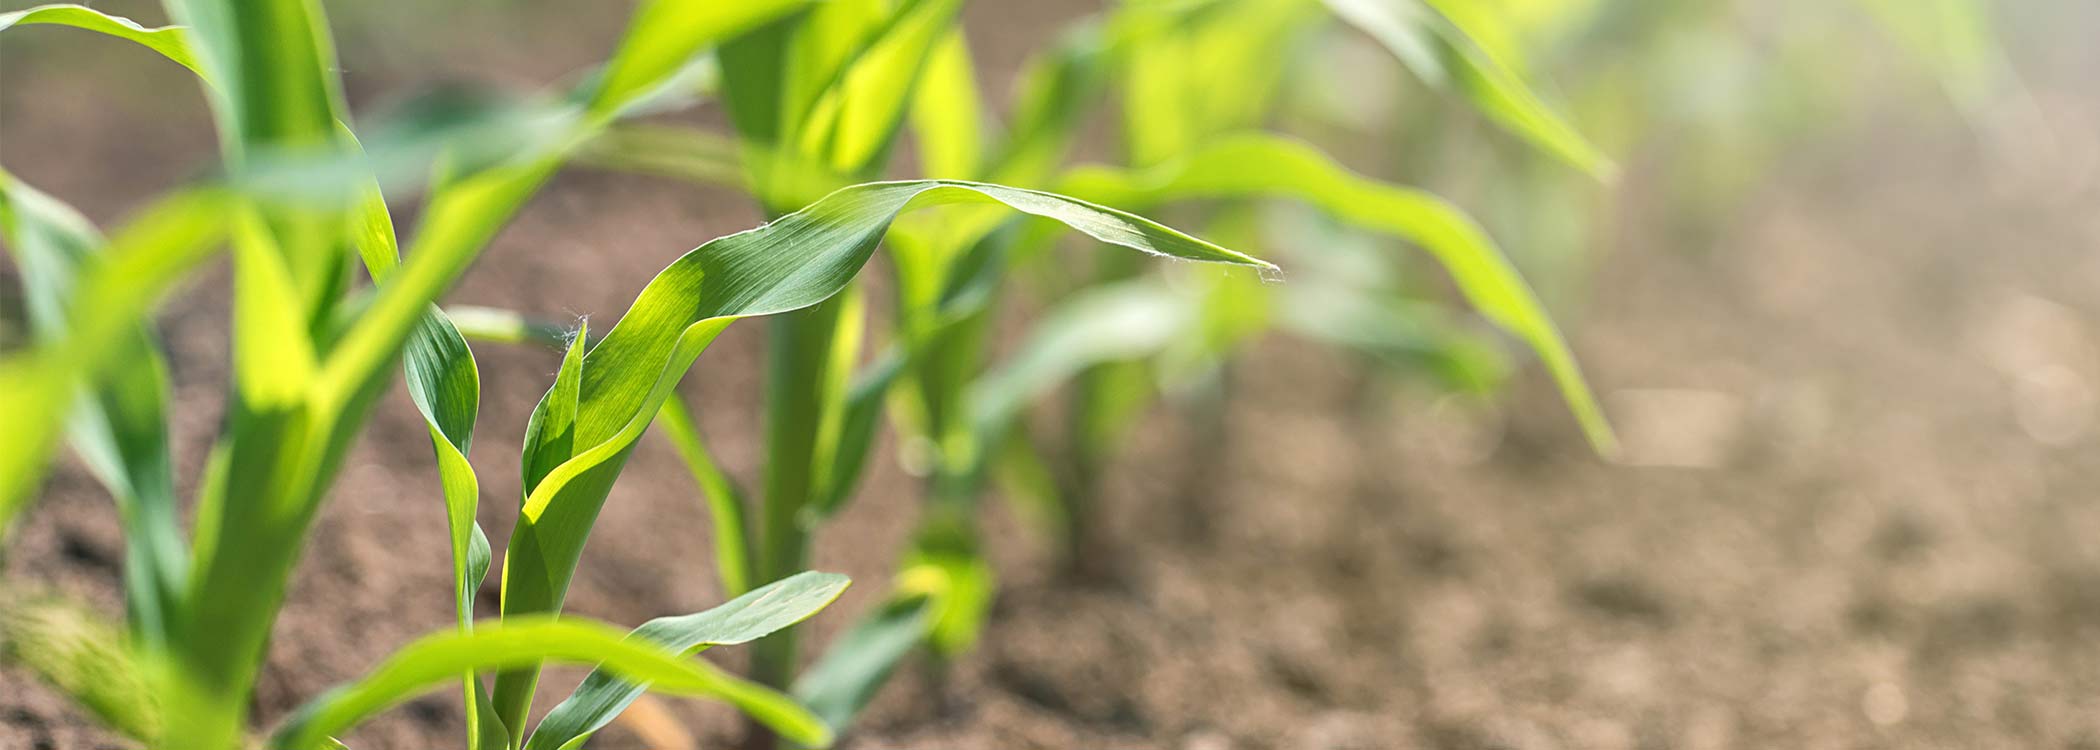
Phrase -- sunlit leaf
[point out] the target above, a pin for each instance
(798, 261)
(171, 42)
(442, 657)
(603, 695)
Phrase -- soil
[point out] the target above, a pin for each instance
(1856, 509)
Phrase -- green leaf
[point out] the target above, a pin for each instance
(725, 502)
(1109, 323)
(550, 440)
(816, 98)
(119, 427)
(769, 608)
(1264, 165)
(845, 678)
(1442, 54)
(550, 434)
(724, 499)
(792, 263)
(1385, 326)
(135, 268)
(947, 117)
(272, 79)
(445, 386)
(852, 125)
(674, 151)
(171, 42)
(507, 327)
(862, 414)
(665, 34)
(1191, 71)
(946, 559)
(274, 69)
(442, 657)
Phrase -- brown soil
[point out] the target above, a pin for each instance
(1883, 372)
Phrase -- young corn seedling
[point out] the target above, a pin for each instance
(1191, 138)
(1196, 79)
(312, 352)
(310, 356)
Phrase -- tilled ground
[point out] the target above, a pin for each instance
(1857, 509)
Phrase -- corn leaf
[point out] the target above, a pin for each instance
(1391, 329)
(120, 425)
(171, 42)
(1191, 71)
(282, 94)
(1263, 165)
(666, 34)
(136, 267)
(603, 695)
(862, 414)
(1442, 54)
(850, 126)
(946, 115)
(550, 440)
(816, 98)
(442, 657)
(672, 151)
(798, 261)
(445, 386)
(725, 501)
(1109, 323)
(845, 678)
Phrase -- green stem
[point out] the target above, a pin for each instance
(804, 393)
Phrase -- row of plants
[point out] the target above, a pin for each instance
(328, 302)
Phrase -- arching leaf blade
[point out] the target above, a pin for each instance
(171, 42)
(757, 613)
(1266, 165)
(800, 260)
(1441, 52)
(441, 657)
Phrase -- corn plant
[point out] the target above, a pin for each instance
(313, 349)
(1197, 83)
